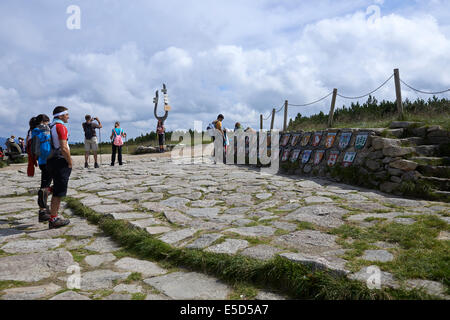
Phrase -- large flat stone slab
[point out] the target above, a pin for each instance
(190, 286)
(431, 287)
(83, 230)
(309, 241)
(175, 203)
(203, 212)
(261, 252)
(28, 246)
(315, 199)
(176, 236)
(100, 279)
(99, 259)
(204, 241)
(176, 217)
(30, 293)
(158, 230)
(257, 231)
(316, 262)
(369, 274)
(111, 208)
(230, 246)
(103, 245)
(35, 266)
(146, 268)
(129, 288)
(378, 255)
(70, 295)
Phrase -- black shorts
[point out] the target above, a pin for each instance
(161, 139)
(59, 170)
(46, 178)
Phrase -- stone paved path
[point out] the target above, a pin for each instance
(217, 208)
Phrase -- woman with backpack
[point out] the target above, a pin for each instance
(40, 139)
(117, 143)
(32, 161)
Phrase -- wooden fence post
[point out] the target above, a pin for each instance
(331, 114)
(398, 92)
(273, 119)
(285, 115)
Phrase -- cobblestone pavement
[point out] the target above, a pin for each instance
(217, 208)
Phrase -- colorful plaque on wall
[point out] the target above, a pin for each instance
(316, 139)
(295, 139)
(361, 140)
(348, 159)
(330, 140)
(332, 159)
(295, 154)
(285, 140)
(345, 140)
(306, 156)
(318, 156)
(285, 156)
(305, 139)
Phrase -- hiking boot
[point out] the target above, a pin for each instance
(86, 165)
(44, 215)
(96, 165)
(112, 164)
(42, 197)
(58, 223)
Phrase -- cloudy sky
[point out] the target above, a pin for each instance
(239, 58)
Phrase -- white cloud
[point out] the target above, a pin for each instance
(238, 69)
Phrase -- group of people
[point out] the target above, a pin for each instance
(91, 141)
(48, 148)
(217, 125)
(13, 149)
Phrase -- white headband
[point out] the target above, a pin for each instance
(60, 114)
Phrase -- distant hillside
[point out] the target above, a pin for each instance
(375, 114)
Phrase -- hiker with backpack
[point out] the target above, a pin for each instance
(117, 143)
(41, 148)
(214, 128)
(59, 164)
(32, 159)
(90, 139)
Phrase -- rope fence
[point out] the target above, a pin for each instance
(335, 94)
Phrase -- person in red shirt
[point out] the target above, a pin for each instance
(60, 165)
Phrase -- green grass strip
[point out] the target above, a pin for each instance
(293, 279)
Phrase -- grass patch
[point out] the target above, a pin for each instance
(135, 276)
(80, 254)
(11, 284)
(138, 296)
(100, 294)
(296, 280)
(303, 225)
(243, 291)
(420, 254)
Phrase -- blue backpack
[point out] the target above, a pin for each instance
(41, 144)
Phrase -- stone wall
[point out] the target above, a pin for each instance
(407, 159)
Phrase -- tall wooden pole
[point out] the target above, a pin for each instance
(273, 119)
(398, 92)
(261, 122)
(285, 115)
(331, 114)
